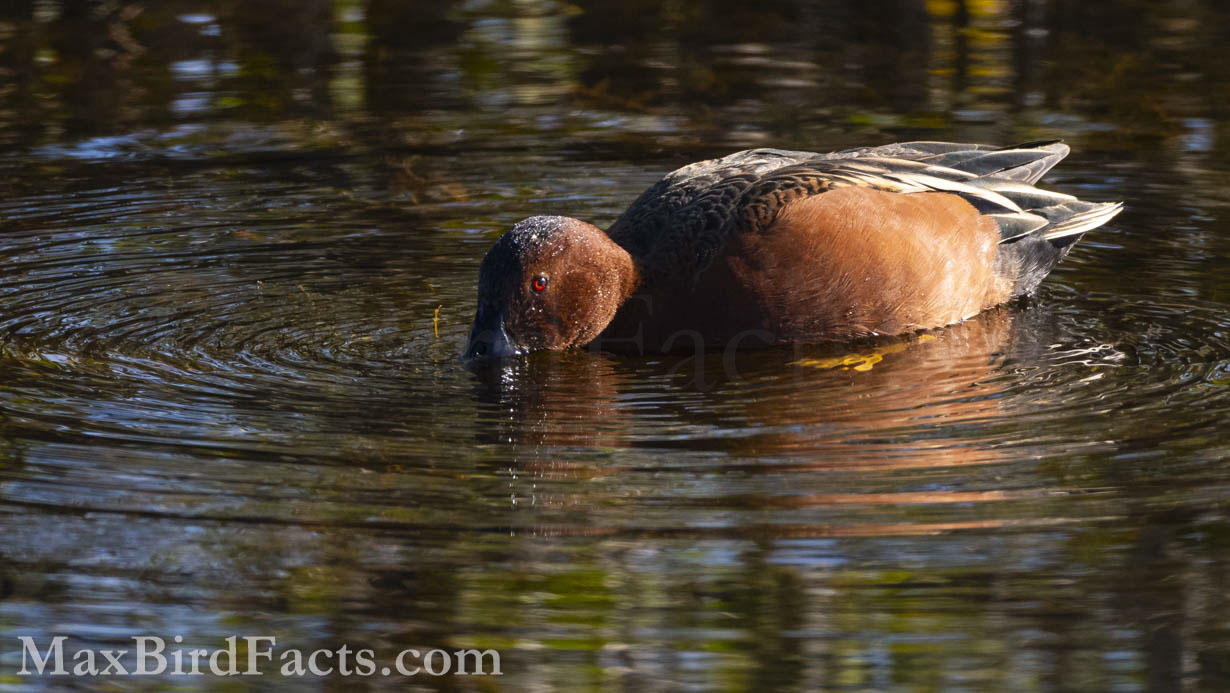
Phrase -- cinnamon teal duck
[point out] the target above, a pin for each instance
(770, 246)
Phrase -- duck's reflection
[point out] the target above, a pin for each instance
(920, 401)
(871, 439)
(914, 402)
(552, 400)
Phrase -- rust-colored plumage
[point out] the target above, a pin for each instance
(856, 261)
(769, 246)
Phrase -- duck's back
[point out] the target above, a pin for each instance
(783, 241)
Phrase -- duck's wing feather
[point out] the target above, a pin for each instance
(678, 225)
(1026, 162)
(695, 199)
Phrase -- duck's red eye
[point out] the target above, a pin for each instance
(539, 284)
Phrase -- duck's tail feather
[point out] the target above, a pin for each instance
(1034, 241)
(1055, 222)
(1074, 218)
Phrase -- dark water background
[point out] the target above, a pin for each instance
(230, 230)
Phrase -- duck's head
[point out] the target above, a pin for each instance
(547, 283)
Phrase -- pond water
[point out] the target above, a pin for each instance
(240, 244)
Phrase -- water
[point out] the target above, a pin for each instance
(240, 245)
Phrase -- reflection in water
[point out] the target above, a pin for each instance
(787, 407)
(933, 404)
(240, 242)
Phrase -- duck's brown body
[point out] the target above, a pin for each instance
(851, 262)
(770, 246)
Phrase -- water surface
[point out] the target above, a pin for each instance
(239, 246)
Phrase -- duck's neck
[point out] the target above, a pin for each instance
(606, 275)
(627, 271)
(624, 278)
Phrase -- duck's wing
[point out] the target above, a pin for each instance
(1026, 162)
(997, 182)
(678, 225)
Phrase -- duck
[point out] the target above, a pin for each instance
(772, 246)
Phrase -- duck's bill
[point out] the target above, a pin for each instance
(489, 340)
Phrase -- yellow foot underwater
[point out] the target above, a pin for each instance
(862, 362)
